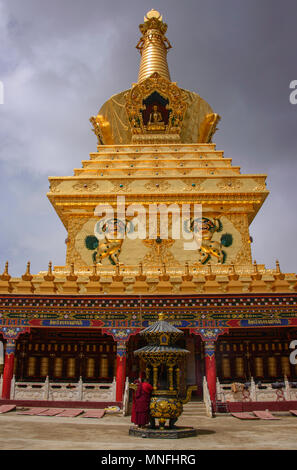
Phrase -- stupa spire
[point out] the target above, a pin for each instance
(153, 46)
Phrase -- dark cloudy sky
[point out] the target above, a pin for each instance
(61, 59)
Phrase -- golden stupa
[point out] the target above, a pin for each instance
(155, 147)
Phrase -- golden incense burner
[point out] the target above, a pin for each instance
(162, 359)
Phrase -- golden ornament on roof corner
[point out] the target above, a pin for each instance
(102, 129)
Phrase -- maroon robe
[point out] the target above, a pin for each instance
(141, 404)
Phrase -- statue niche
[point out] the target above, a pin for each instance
(155, 109)
(155, 112)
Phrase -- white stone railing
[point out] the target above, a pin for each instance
(207, 400)
(266, 392)
(63, 391)
(126, 398)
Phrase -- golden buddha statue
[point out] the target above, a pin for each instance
(155, 122)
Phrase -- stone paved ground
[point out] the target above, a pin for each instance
(111, 432)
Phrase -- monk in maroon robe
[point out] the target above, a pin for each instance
(141, 404)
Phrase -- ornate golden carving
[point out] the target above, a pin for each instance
(193, 184)
(159, 253)
(260, 184)
(176, 106)
(164, 408)
(86, 186)
(241, 224)
(210, 248)
(54, 186)
(121, 186)
(73, 256)
(157, 185)
(229, 184)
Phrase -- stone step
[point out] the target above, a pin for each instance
(194, 409)
(201, 410)
(193, 406)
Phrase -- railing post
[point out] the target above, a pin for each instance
(46, 388)
(253, 390)
(287, 389)
(12, 390)
(220, 395)
(126, 398)
(206, 399)
(80, 389)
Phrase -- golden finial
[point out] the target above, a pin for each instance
(161, 316)
(71, 276)
(257, 276)
(140, 277)
(49, 271)
(49, 276)
(153, 14)
(153, 46)
(28, 268)
(5, 276)
(94, 272)
(210, 276)
(118, 269)
(94, 277)
(187, 277)
(233, 276)
(117, 277)
(27, 276)
(279, 275)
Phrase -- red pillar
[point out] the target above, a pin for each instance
(121, 370)
(8, 368)
(210, 368)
